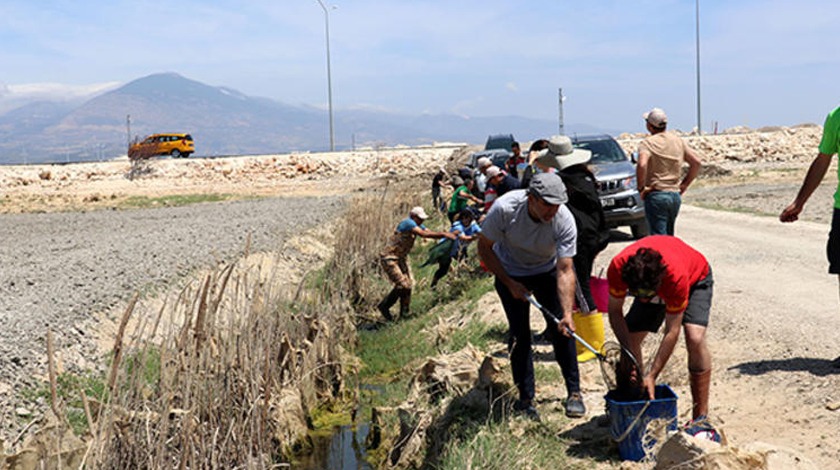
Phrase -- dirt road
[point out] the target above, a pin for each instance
(775, 327)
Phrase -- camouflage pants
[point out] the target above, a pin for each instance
(398, 272)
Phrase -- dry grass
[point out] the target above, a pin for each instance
(354, 272)
(225, 373)
(230, 385)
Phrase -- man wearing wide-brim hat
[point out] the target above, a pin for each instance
(528, 241)
(592, 232)
(560, 154)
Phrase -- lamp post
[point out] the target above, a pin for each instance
(560, 100)
(697, 28)
(329, 75)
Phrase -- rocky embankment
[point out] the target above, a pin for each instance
(771, 146)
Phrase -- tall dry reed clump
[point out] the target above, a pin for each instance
(230, 384)
(354, 271)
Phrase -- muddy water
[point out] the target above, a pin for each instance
(344, 449)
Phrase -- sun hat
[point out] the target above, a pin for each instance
(549, 187)
(492, 172)
(656, 117)
(419, 213)
(562, 154)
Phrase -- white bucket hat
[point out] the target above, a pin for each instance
(562, 154)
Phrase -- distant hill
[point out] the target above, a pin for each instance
(224, 121)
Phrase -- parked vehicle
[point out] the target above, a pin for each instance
(617, 186)
(498, 149)
(176, 145)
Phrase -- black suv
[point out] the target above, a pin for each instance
(497, 149)
(617, 187)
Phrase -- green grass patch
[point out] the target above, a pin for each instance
(143, 202)
(492, 447)
(477, 333)
(68, 386)
(146, 368)
(386, 351)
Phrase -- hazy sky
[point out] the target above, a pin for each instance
(763, 62)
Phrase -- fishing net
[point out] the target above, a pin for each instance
(621, 372)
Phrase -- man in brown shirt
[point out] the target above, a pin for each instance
(659, 172)
(394, 259)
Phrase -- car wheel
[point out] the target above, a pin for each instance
(176, 153)
(640, 230)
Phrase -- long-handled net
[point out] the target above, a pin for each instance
(619, 367)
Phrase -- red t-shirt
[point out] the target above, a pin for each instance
(684, 267)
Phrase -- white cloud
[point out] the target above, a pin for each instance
(57, 91)
(15, 96)
(511, 86)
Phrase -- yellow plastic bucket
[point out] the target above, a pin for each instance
(591, 329)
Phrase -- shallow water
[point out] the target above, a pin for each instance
(344, 449)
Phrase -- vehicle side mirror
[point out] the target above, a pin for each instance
(634, 157)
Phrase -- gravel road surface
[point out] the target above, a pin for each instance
(59, 269)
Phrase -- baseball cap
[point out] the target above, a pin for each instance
(656, 117)
(549, 187)
(562, 154)
(484, 161)
(493, 171)
(419, 213)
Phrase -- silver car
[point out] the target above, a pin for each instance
(617, 187)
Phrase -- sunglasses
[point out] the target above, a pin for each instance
(643, 292)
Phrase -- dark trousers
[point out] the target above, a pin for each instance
(443, 268)
(459, 251)
(544, 288)
(583, 261)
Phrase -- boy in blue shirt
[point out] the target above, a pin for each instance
(466, 230)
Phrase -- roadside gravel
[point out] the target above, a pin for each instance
(60, 269)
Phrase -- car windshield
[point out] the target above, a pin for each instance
(499, 142)
(603, 151)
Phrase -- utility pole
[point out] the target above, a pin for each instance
(329, 75)
(560, 100)
(697, 28)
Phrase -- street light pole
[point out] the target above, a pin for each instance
(329, 74)
(560, 100)
(697, 28)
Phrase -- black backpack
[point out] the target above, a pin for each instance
(585, 206)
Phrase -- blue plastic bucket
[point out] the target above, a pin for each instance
(624, 414)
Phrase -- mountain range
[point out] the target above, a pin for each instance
(224, 121)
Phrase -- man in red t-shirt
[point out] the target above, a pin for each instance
(671, 282)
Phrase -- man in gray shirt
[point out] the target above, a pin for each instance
(528, 241)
